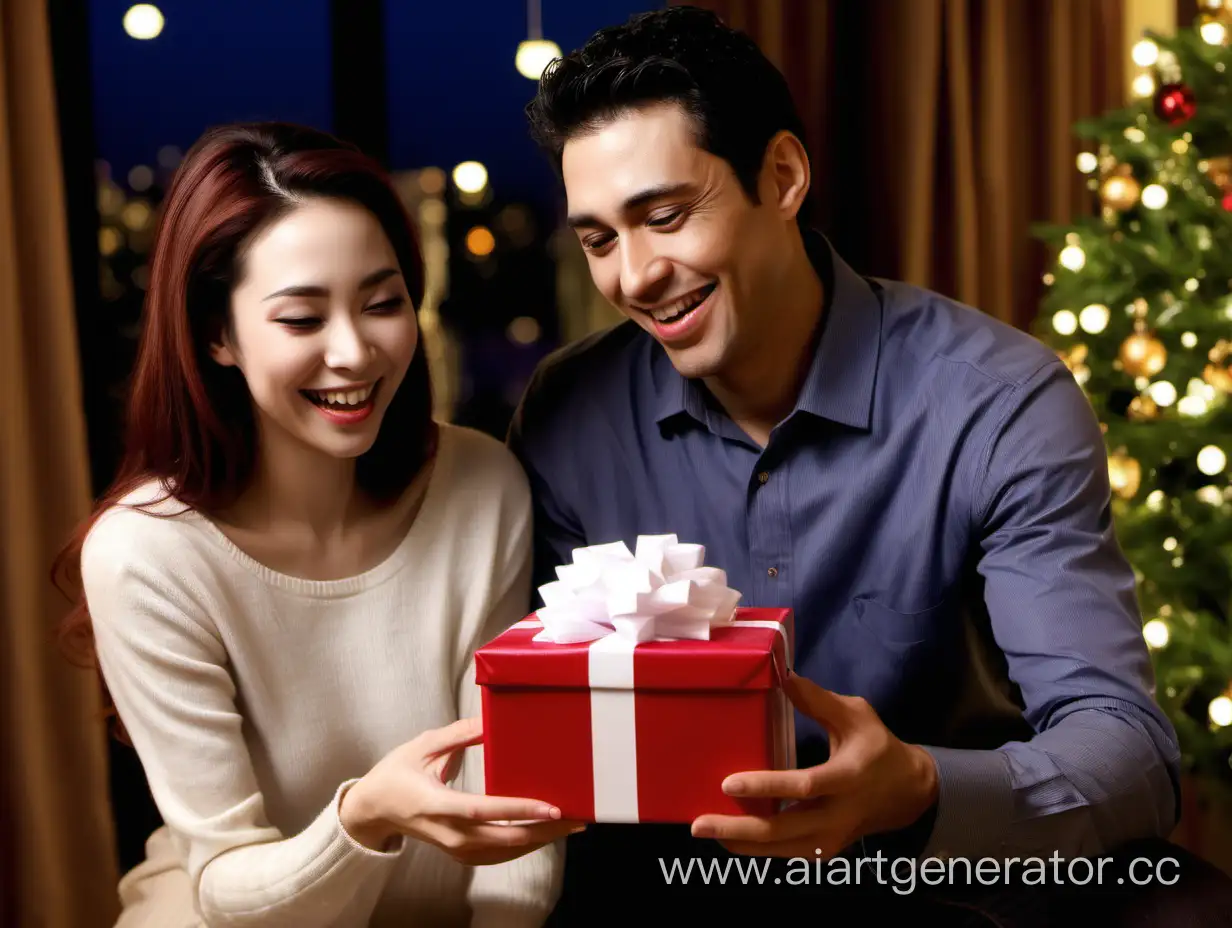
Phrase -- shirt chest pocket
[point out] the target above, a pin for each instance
(898, 661)
(901, 630)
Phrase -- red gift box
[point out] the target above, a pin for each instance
(613, 730)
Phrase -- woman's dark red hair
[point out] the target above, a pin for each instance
(189, 422)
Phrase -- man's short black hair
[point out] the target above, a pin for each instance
(735, 95)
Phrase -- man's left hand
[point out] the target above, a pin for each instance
(871, 783)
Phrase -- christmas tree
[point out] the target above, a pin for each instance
(1139, 306)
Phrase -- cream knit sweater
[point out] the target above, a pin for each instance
(253, 697)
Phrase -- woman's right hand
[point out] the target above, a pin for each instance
(408, 793)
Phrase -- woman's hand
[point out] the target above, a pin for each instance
(407, 793)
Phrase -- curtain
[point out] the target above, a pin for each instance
(940, 130)
(57, 857)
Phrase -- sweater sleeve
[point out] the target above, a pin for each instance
(519, 893)
(167, 672)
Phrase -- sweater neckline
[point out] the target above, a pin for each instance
(396, 561)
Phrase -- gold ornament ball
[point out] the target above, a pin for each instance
(1120, 191)
(1125, 474)
(1219, 373)
(1219, 170)
(1074, 357)
(1143, 355)
(1218, 377)
(1143, 409)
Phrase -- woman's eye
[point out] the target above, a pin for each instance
(298, 322)
(387, 306)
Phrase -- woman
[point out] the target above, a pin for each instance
(288, 580)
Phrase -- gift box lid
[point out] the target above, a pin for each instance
(736, 657)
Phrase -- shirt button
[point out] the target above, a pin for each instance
(763, 476)
(772, 572)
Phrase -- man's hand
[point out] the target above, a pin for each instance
(871, 783)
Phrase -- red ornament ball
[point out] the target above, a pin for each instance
(1175, 103)
(1227, 202)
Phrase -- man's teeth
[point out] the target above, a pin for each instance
(681, 306)
(341, 397)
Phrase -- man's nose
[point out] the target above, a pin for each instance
(642, 272)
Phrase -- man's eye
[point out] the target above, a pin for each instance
(666, 220)
(597, 242)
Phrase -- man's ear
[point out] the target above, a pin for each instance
(786, 174)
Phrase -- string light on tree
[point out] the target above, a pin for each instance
(1094, 318)
(1198, 387)
(1197, 399)
(1192, 406)
(1212, 30)
(1210, 495)
(1220, 711)
(1162, 392)
(1145, 53)
(1073, 258)
(1156, 633)
(1154, 196)
(1212, 460)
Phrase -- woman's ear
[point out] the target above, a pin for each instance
(222, 353)
(220, 347)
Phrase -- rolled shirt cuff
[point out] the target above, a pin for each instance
(975, 804)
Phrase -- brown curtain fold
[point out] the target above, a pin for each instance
(57, 866)
(941, 130)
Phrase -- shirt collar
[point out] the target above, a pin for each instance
(840, 379)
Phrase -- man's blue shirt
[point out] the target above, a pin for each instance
(936, 510)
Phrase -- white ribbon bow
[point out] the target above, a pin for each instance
(661, 592)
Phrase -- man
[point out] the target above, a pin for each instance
(926, 487)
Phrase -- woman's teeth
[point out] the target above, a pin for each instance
(340, 398)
